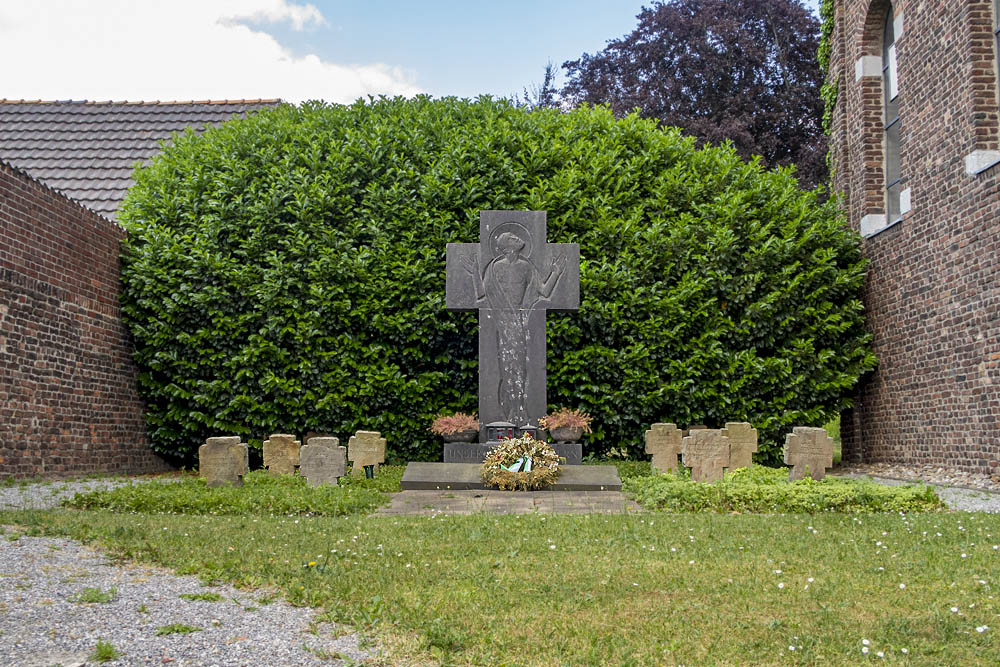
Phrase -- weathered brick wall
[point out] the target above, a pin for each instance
(68, 401)
(933, 289)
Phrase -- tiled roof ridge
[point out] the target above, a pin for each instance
(275, 100)
(21, 173)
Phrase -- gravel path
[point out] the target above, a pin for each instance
(959, 490)
(44, 621)
(42, 624)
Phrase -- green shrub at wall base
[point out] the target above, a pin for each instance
(285, 273)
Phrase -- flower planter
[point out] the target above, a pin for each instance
(566, 433)
(469, 435)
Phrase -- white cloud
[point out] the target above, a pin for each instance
(277, 11)
(173, 50)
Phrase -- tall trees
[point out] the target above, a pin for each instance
(742, 70)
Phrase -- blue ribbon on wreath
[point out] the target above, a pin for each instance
(523, 464)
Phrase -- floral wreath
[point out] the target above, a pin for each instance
(521, 464)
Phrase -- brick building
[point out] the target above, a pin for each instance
(68, 397)
(916, 158)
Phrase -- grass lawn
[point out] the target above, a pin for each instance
(653, 588)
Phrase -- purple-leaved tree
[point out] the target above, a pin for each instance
(742, 70)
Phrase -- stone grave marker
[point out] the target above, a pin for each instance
(512, 277)
(223, 461)
(663, 441)
(281, 454)
(811, 447)
(706, 452)
(366, 450)
(322, 460)
(742, 444)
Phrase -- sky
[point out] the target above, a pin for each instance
(334, 50)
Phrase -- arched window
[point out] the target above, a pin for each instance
(890, 86)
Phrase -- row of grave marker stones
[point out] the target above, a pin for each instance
(322, 460)
(710, 452)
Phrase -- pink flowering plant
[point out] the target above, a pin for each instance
(521, 464)
(456, 423)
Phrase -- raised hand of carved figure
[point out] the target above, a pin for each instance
(559, 265)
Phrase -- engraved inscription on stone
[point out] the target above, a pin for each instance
(281, 454)
(322, 461)
(663, 441)
(365, 448)
(223, 461)
(742, 444)
(706, 452)
(512, 277)
(809, 450)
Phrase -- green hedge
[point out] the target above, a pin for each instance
(285, 273)
(262, 494)
(762, 490)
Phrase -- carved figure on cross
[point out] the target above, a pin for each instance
(512, 277)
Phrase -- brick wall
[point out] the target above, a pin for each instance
(933, 288)
(68, 401)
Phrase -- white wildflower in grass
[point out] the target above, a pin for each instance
(982, 628)
(781, 584)
(865, 642)
(552, 546)
(902, 586)
(904, 651)
(954, 610)
(880, 654)
(810, 580)
(864, 649)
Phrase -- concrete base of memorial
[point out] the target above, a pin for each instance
(475, 452)
(459, 476)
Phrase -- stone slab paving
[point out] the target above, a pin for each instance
(424, 476)
(471, 501)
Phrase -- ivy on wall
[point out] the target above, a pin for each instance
(829, 89)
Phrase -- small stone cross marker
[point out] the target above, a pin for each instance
(663, 441)
(808, 447)
(223, 461)
(322, 460)
(742, 444)
(706, 452)
(365, 451)
(281, 454)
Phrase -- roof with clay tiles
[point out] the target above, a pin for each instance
(87, 150)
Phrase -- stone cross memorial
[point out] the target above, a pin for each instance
(223, 461)
(512, 277)
(742, 444)
(663, 441)
(322, 461)
(365, 450)
(706, 452)
(809, 448)
(281, 454)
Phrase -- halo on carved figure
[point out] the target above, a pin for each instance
(518, 230)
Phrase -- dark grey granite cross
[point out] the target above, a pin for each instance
(512, 277)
